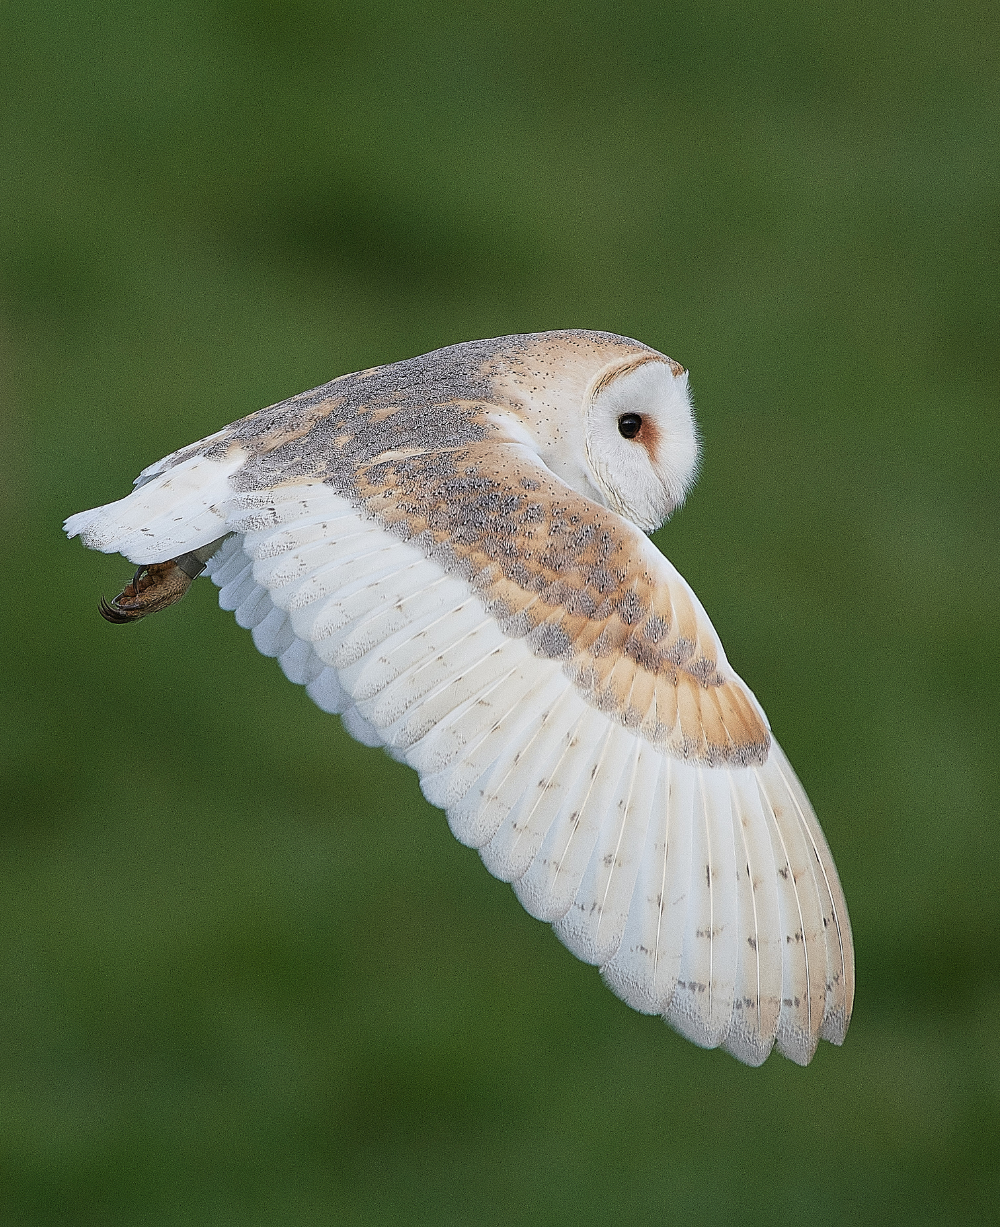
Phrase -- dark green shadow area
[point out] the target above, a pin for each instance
(250, 978)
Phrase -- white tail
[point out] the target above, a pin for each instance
(175, 511)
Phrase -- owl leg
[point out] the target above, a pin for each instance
(155, 587)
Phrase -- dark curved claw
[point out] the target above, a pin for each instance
(111, 613)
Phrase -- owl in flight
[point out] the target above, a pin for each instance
(450, 552)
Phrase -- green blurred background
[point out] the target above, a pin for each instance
(249, 978)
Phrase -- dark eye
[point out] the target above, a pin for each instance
(629, 425)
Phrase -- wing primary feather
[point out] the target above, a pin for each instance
(566, 851)
(419, 697)
(631, 970)
(622, 870)
(710, 942)
(390, 604)
(758, 990)
(839, 986)
(327, 693)
(537, 886)
(412, 715)
(675, 896)
(299, 663)
(518, 779)
(749, 919)
(797, 1035)
(434, 754)
(458, 752)
(610, 879)
(471, 819)
(520, 834)
(360, 729)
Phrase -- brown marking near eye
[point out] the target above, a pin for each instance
(649, 437)
(649, 433)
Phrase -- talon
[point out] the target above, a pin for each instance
(111, 613)
(151, 589)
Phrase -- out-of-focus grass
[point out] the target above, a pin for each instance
(250, 977)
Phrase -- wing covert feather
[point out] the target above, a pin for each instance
(583, 586)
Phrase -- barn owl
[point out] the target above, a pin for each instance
(450, 552)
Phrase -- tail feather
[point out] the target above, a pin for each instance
(175, 511)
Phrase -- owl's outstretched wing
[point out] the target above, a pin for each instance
(565, 700)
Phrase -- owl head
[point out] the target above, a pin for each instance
(609, 416)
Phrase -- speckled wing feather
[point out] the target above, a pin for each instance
(402, 550)
(582, 585)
